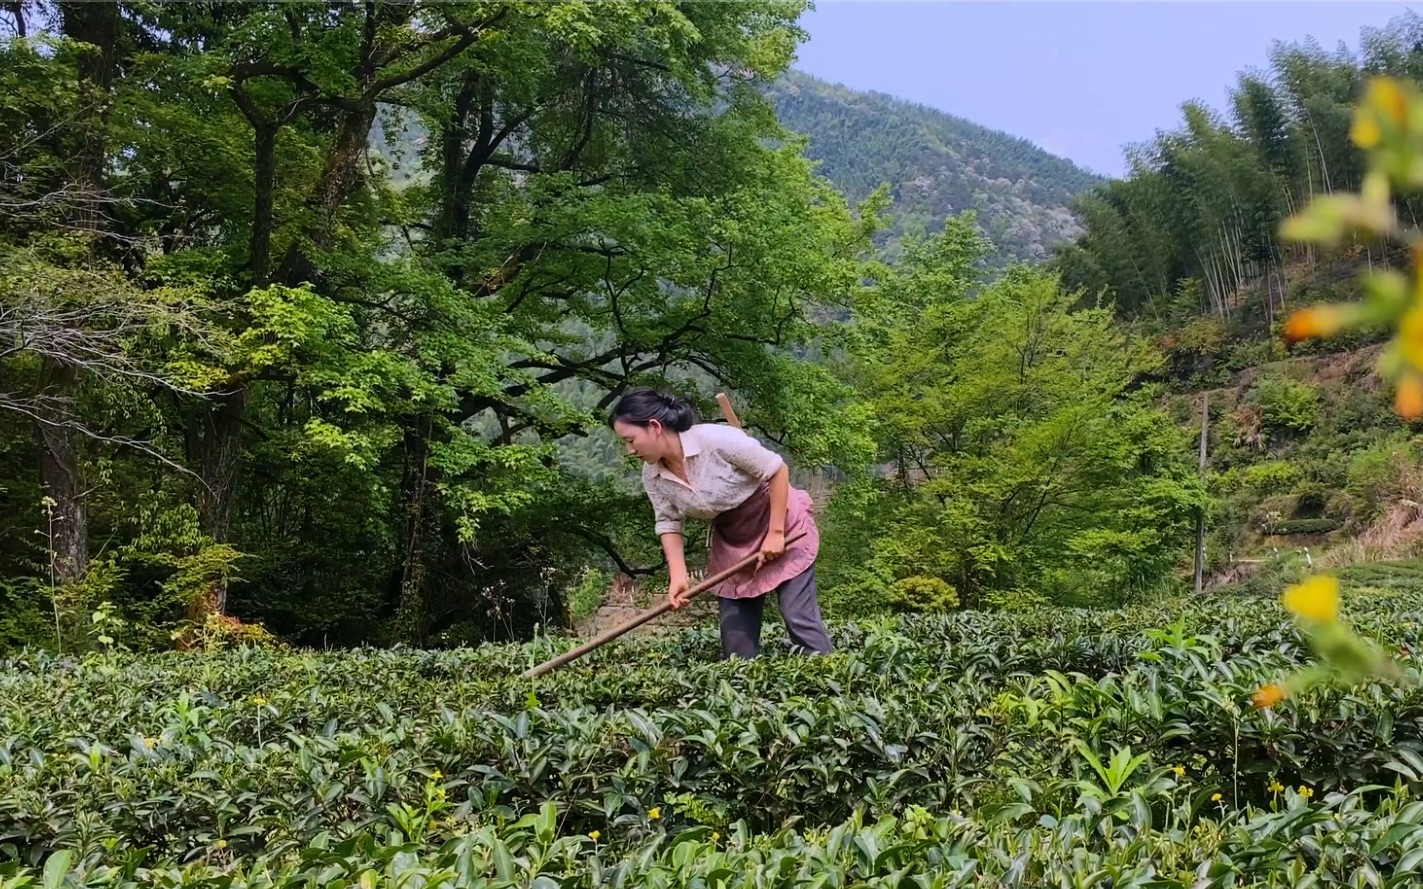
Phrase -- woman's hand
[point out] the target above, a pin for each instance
(676, 570)
(677, 591)
(771, 547)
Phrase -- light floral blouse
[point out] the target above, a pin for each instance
(724, 465)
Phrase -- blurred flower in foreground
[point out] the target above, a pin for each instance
(1345, 657)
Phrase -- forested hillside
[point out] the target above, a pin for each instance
(936, 166)
(1194, 228)
(1306, 450)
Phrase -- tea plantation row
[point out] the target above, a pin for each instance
(1049, 748)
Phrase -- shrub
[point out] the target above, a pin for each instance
(1272, 477)
(929, 594)
(1306, 526)
(1286, 405)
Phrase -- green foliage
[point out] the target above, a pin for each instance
(929, 594)
(1286, 405)
(1383, 472)
(1038, 744)
(417, 249)
(1305, 526)
(1272, 477)
(585, 597)
(1017, 455)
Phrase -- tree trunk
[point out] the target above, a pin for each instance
(60, 475)
(416, 492)
(221, 449)
(265, 143)
(95, 24)
(340, 178)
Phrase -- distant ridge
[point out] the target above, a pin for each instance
(936, 164)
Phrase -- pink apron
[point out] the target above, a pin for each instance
(738, 533)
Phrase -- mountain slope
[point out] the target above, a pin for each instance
(936, 165)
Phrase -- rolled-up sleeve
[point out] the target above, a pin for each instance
(748, 454)
(669, 518)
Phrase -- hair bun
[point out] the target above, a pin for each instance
(641, 406)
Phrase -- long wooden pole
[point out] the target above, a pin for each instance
(646, 616)
(615, 632)
(1201, 519)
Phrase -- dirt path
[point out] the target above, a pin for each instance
(625, 600)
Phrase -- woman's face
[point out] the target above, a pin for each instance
(647, 443)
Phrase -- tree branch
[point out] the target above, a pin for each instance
(606, 545)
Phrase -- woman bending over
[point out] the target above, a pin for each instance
(715, 472)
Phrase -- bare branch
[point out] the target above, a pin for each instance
(92, 335)
(606, 545)
(45, 409)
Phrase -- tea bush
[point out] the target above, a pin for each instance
(1044, 747)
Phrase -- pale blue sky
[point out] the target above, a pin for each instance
(1080, 79)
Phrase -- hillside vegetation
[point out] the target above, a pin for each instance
(1195, 227)
(1308, 459)
(936, 166)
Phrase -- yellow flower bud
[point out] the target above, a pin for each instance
(1385, 96)
(1315, 599)
(1268, 697)
(1408, 400)
(1314, 322)
(1366, 132)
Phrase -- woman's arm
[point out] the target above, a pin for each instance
(676, 568)
(775, 542)
(780, 498)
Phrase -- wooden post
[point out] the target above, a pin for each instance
(1201, 519)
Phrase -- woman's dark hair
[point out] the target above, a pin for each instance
(641, 406)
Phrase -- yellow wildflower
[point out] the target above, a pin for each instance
(654, 813)
(1305, 791)
(436, 775)
(594, 835)
(1276, 786)
(1366, 131)
(715, 836)
(1410, 335)
(1215, 797)
(1314, 322)
(1315, 599)
(1268, 696)
(1408, 400)
(1180, 771)
(1385, 96)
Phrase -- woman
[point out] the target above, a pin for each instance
(709, 471)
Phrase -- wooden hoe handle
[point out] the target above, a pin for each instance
(615, 632)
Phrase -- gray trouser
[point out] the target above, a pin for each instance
(741, 619)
